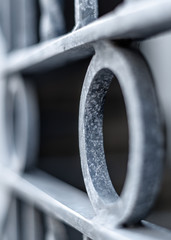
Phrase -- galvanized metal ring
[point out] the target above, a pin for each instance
(20, 123)
(145, 135)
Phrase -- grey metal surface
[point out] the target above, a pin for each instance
(55, 230)
(52, 23)
(19, 123)
(61, 201)
(19, 136)
(30, 222)
(18, 20)
(101, 214)
(18, 120)
(5, 13)
(157, 52)
(12, 228)
(86, 11)
(125, 22)
(23, 23)
(145, 135)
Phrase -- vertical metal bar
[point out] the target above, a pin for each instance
(5, 22)
(158, 53)
(12, 231)
(4, 193)
(31, 223)
(23, 23)
(52, 22)
(86, 11)
(55, 230)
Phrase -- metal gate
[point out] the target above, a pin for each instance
(34, 43)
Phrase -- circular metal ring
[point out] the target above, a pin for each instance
(19, 132)
(145, 135)
(20, 123)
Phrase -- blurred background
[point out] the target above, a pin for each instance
(58, 93)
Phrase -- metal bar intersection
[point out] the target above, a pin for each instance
(60, 200)
(132, 20)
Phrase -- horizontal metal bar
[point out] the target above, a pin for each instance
(131, 20)
(72, 206)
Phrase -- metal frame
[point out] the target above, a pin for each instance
(110, 213)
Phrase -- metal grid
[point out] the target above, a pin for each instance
(101, 214)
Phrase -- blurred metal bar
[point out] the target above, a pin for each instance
(54, 230)
(52, 22)
(5, 22)
(158, 53)
(61, 201)
(23, 23)
(12, 229)
(31, 219)
(19, 23)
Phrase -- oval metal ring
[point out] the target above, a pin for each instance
(19, 132)
(145, 135)
(20, 123)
